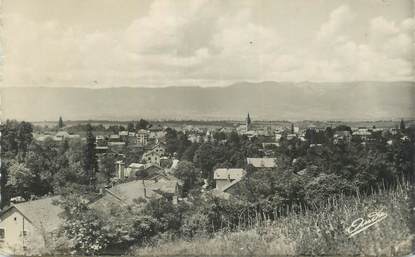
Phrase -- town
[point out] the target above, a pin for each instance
(59, 178)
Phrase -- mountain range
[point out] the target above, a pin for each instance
(264, 100)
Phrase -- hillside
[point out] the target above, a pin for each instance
(266, 100)
(311, 233)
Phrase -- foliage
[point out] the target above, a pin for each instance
(60, 123)
(176, 142)
(90, 161)
(189, 175)
(86, 230)
(309, 233)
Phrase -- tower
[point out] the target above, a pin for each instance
(248, 123)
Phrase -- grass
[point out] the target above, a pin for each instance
(312, 233)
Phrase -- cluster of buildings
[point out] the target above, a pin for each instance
(30, 228)
(140, 138)
(59, 136)
(226, 179)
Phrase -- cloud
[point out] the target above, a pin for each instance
(339, 18)
(170, 47)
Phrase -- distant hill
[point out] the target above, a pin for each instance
(265, 100)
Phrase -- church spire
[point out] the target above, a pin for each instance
(248, 122)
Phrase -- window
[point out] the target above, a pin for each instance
(2, 234)
(15, 218)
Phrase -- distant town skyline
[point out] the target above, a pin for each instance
(108, 43)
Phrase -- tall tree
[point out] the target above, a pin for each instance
(130, 126)
(90, 162)
(142, 124)
(402, 125)
(23, 138)
(60, 122)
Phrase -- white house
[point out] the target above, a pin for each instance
(143, 136)
(152, 157)
(28, 228)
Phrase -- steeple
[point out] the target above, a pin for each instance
(248, 122)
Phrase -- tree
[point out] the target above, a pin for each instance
(402, 125)
(23, 138)
(142, 124)
(176, 142)
(41, 161)
(60, 123)
(83, 226)
(90, 162)
(20, 180)
(130, 126)
(107, 167)
(187, 172)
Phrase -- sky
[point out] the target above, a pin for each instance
(158, 43)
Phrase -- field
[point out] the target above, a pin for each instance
(322, 233)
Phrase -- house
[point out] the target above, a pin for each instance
(227, 190)
(133, 168)
(127, 193)
(291, 136)
(152, 157)
(115, 138)
(262, 162)
(342, 136)
(151, 170)
(158, 147)
(131, 171)
(100, 140)
(143, 136)
(270, 145)
(28, 227)
(156, 132)
(123, 134)
(116, 144)
(42, 137)
(128, 137)
(363, 133)
(101, 149)
(223, 177)
(61, 135)
(194, 138)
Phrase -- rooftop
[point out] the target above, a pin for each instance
(262, 162)
(232, 174)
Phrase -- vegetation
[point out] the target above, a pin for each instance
(309, 233)
(302, 206)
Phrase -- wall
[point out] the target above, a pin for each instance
(14, 241)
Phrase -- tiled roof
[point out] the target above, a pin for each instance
(224, 173)
(136, 165)
(126, 193)
(262, 162)
(42, 213)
